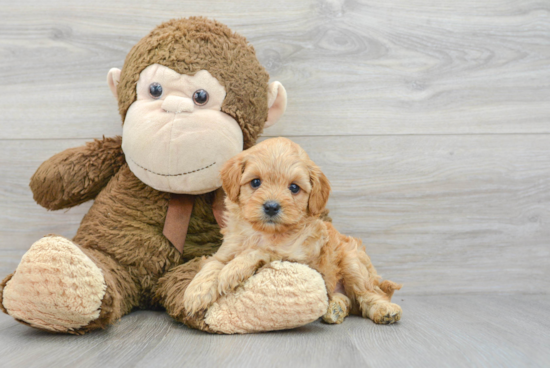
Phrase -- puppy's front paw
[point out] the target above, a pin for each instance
(230, 277)
(200, 296)
(385, 313)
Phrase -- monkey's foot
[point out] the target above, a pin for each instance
(338, 309)
(56, 287)
(280, 296)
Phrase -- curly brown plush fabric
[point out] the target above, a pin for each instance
(170, 293)
(190, 45)
(54, 186)
(126, 223)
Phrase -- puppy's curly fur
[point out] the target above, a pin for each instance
(275, 195)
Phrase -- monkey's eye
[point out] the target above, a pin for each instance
(255, 183)
(294, 188)
(200, 97)
(155, 90)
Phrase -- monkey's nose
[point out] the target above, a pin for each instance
(271, 208)
(176, 104)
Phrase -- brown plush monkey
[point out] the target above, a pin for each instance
(191, 94)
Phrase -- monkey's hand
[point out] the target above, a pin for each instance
(77, 175)
(240, 269)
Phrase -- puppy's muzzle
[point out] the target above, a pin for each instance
(271, 208)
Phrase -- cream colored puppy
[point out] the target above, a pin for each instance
(275, 196)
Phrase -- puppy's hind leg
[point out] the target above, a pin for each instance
(338, 309)
(377, 307)
(377, 304)
(362, 283)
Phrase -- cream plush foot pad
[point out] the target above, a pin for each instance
(282, 296)
(55, 287)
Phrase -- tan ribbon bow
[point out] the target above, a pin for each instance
(180, 207)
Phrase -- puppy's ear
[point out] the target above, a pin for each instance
(320, 190)
(231, 174)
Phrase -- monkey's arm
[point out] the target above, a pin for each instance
(280, 296)
(77, 175)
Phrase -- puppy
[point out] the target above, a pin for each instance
(275, 198)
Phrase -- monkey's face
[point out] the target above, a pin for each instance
(175, 136)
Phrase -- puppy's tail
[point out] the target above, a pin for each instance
(388, 287)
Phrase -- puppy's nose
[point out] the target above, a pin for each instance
(271, 208)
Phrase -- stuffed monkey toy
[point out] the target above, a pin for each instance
(191, 95)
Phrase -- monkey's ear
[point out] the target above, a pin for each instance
(320, 190)
(231, 173)
(113, 77)
(276, 102)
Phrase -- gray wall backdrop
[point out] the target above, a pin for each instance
(431, 119)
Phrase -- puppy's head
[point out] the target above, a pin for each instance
(275, 185)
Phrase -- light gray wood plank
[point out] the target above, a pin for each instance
(350, 67)
(436, 331)
(442, 214)
(22, 221)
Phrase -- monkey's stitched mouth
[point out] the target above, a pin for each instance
(185, 173)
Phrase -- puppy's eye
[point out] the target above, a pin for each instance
(255, 183)
(155, 90)
(200, 97)
(294, 188)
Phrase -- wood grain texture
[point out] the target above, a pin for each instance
(431, 120)
(442, 214)
(436, 331)
(350, 67)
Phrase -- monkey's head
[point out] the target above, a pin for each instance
(192, 94)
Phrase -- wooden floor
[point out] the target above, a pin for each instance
(436, 331)
(430, 118)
